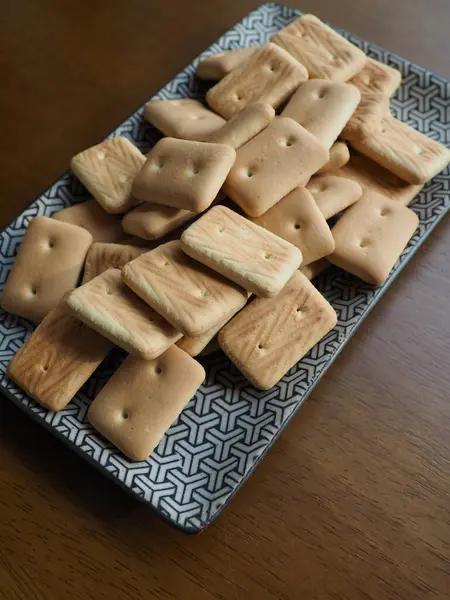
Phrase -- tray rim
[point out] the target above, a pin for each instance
(192, 529)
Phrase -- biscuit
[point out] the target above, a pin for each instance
(48, 264)
(280, 158)
(323, 107)
(333, 194)
(270, 75)
(297, 219)
(102, 257)
(325, 53)
(314, 269)
(249, 255)
(184, 174)
(107, 172)
(244, 126)
(404, 151)
(374, 178)
(371, 235)
(186, 119)
(151, 221)
(270, 335)
(196, 345)
(339, 156)
(366, 119)
(190, 296)
(377, 77)
(216, 66)
(90, 215)
(58, 358)
(142, 400)
(109, 307)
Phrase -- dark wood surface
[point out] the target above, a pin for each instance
(353, 500)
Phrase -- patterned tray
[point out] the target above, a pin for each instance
(226, 429)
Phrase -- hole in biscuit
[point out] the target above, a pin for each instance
(297, 226)
(385, 212)
(299, 311)
(382, 129)
(34, 291)
(45, 367)
(418, 150)
(249, 173)
(125, 415)
(267, 255)
(158, 370)
(272, 68)
(123, 179)
(195, 170)
(204, 293)
(363, 243)
(159, 162)
(261, 347)
(221, 229)
(321, 94)
(238, 97)
(167, 263)
(101, 155)
(108, 292)
(290, 141)
(51, 244)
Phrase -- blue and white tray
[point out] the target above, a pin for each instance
(228, 426)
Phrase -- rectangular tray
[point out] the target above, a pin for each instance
(228, 426)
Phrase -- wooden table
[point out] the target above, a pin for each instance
(352, 502)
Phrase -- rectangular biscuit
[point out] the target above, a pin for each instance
(244, 126)
(406, 152)
(142, 400)
(269, 336)
(189, 295)
(280, 158)
(186, 119)
(109, 307)
(270, 75)
(184, 174)
(58, 358)
(90, 215)
(323, 107)
(48, 264)
(102, 257)
(372, 177)
(375, 76)
(249, 255)
(339, 156)
(314, 269)
(216, 66)
(333, 194)
(297, 219)
(366, 119)
(325, 53)
(371, 235)
(107, 171)
(151, 221)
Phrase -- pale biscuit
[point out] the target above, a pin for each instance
(325, 53)
(48, 264)
(406, 152)
(253, 257)
(374, 178)
(280, 158)
(216, 66)
(323, 107)
(297, 219)
(102, 257)
(151, 221)
(90, 215)
(371, 235)
(189, 295)
(184, 174)
(314, 269)
(107, 171)
(339, 156)
(244, 126)
(142, 400)
(269, 336)
(108, 306)
(366, 119)
(377, 77)
(270, 75)
(186, 119)
(333, 194)
(58, 358)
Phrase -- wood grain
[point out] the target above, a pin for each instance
(352, 502)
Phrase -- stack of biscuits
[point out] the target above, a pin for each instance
(214, 235)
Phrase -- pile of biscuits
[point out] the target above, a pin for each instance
(230, 218)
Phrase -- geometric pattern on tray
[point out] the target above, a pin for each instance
(228, 426)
